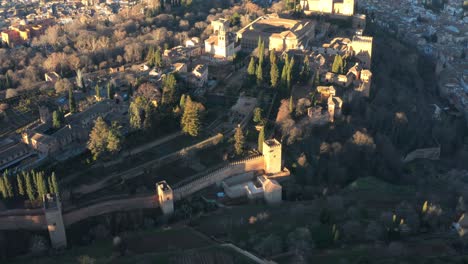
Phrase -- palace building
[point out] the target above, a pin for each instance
(279, 34)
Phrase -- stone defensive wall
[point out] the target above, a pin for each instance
(217, 176)
(35, 220)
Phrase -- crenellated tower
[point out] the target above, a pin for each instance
(53, 215)
(165, 197)
(272, 155)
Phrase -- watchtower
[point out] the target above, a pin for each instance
(165, 197)
(54, 220)
(272, 155)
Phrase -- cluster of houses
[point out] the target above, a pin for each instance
(40, 140)
(442, 36)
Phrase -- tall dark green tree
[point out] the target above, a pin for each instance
(259, 74)
(30, 189)
(260, 50)
(239, 140)
(251, 67)
(261, 139)
(110, 91)
(290, 76)
(3, 189)
(8, 187)
(41, 185)
(71, 101)
(55, 184)
(20, 184)
(57, 119)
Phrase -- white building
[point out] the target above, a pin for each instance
(222, 44)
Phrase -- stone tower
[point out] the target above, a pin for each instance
(272, 156)
(54, 220)
(362, 48)
(165, 197)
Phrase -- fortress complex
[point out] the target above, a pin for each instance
(338, 7)
(279, 34)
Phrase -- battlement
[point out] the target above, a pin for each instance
(165, 197)
(164, 187)
(54, 220)
(51, 202)
(272, 154)
(363, 39)
(273, 143)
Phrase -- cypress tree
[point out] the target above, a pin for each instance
(30, 191)
(284, 72)
(19, 180)
(56, 120)
(239, 140)
(272, 57)
(290, 72)
(55, 183)
(259, 74)
(3, 189)
(71, 101)
(260, 50)
(8, 186)
(110, 91)
(251, 68)
(261, 139)
(41, 185)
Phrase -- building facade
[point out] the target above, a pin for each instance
(223, 43)
(343, 7)
(278, 34)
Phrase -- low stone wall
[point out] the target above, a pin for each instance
(35, 220)
(216, 177)
(26, 219)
